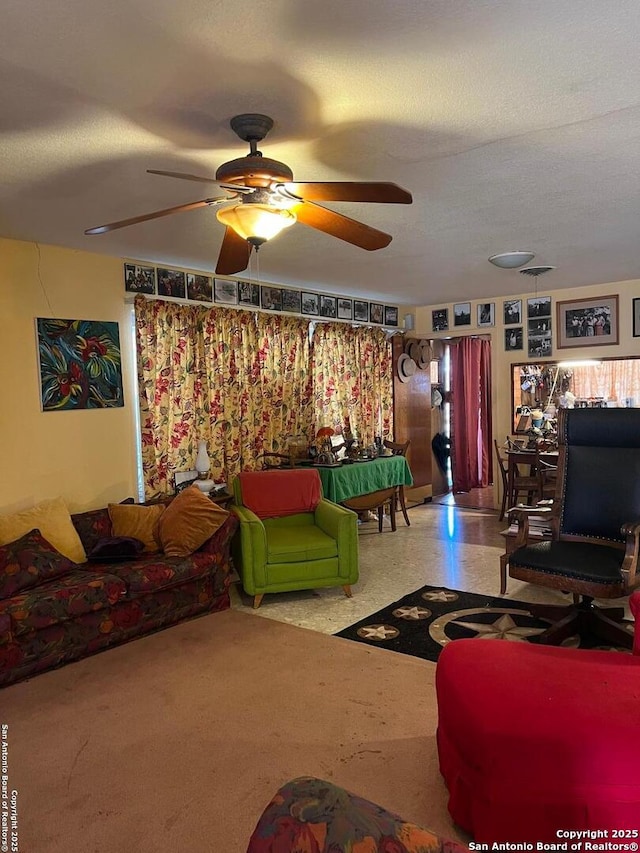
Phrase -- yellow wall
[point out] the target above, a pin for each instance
(88, 457)
(501, 361)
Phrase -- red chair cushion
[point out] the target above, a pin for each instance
(533, 739)
(273, 494)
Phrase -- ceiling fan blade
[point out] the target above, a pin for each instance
(386, 193)
(184, 176)
(234, 253)
(341, 226)
(112, 226)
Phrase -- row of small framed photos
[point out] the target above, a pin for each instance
(537, 307)
(539, 338)
(204, 288)
(588, 322)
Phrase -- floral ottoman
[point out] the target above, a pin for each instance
(309, 815)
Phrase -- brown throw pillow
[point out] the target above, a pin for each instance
(189, 520)
(137, 522)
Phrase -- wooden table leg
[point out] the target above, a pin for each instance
(403, 506)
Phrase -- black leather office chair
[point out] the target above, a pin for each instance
(595, 520)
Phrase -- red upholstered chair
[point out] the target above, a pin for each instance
(536, 739)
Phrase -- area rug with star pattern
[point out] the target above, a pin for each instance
(423, 622)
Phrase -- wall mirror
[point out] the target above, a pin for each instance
(578, 383)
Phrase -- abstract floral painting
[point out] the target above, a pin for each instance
(80, 366)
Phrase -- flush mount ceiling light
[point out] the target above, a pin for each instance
(511, 260)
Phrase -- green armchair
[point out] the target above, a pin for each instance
(289, 537)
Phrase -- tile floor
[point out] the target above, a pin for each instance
(445, 545)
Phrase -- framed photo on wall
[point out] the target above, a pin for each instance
(360, 310)
(171, 283)
(390, 316)
(513, 339)
(291, 301)
(376, 313)
(462, 314)
(539, 326)
(539, 306)
(328, 306)
(225, 291)
(636, 318)
(486, 314)
(199, 288)
(512, 309)
(310, 304)
(588, 322)
(440, 320)
(345, 309)
(271, 298)
(539, 346)
(139, 279)
(248, 293)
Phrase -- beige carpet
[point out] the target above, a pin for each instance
(177, 741)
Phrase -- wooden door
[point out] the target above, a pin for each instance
(412, 419)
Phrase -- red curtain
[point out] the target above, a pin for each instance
(471, 430)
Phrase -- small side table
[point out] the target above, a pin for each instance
(223, 499)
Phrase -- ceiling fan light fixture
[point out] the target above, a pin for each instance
(511, 260)
(256, 223)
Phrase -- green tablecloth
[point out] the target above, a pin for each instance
(362, 478)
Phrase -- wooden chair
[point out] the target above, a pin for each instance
(595, 523)
(276, 460)
(398, 449)
(547, 479)
(522, 484)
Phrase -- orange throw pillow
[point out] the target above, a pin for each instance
(138, 522)
(190, 519)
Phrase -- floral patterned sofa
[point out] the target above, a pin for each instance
(315, 816)
(79, 609)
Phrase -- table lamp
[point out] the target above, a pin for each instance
(203, 466)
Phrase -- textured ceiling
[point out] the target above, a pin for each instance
(515, 125)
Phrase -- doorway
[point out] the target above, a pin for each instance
(466, 422)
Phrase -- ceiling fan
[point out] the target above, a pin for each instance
(262, 199)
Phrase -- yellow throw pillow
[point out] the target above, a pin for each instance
(189, 520)
(137, 521)
(52, 519)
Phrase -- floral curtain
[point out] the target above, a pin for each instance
(238, 380)
(281, 403)
(352, 377)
